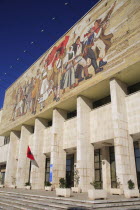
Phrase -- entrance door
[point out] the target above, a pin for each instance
(113, 168)
(2, 173)
(3, 177)
(137, 159)
(70, 170)
(98, 168)
(47, 170)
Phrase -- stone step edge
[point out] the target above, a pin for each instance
(111, 205)
(17, 207)
(41, 199)
(75, 200)
(56, 206)
(82, 205)
(32, 204)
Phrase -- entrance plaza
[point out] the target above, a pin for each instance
(40, 199)
(92, 124)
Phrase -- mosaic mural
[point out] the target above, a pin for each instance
(65, 66)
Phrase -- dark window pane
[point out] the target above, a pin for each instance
(137, 152)
(71, 114)
(68, 168)
(49, 123)
(68, 162)
(112, 167)
(101, 102)
(134, 88)
(96, 158)
(97, 175)
(47, 170)
(113, 184)
(97, 165)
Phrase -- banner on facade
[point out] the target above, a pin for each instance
(51, 172)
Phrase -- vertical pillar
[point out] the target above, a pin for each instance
(85, 150)
(123, 143)
(11, 166)
(133, 174)
(58, 155)
(23, 164)
(38, 170)
(106, 169)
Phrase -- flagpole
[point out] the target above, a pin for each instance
(29, 172)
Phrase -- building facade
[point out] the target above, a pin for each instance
(78, 104)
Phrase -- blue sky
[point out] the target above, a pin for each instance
(40, 21)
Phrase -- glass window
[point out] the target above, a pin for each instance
(2, 173)
(97, 175)
(134, 88)
(70, 170)
(47, 170)
(71, 114)
(49, 123)
(97, 165)
(3, 177)
(137, 159)
(96, 158)
(102, 102)
(137, 153)
(98, 168)
(113, 168)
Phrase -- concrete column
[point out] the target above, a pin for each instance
(11, 166)
(85, 150)
(58, 155)
(123, 143)
(106, 169)
(23, 162)
(38, 171)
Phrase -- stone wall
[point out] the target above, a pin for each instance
(119, 23)
(70, 133)
(47, 140)
(101, 127)
(3, 153)
(133, 112)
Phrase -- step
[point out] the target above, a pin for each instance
(55, 202)
(24, 205)
(74, 200)
(116, 205)
(46, 200)
(8, 206)
(39, 204)
(30, 204)
(110, 204)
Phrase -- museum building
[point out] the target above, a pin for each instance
(78, 106)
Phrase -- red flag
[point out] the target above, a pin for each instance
(51, 56)
(29, 154)
(61, 47)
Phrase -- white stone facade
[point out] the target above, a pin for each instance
(111, 124)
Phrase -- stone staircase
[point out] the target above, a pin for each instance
(13, 201)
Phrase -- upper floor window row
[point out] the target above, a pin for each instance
(134, 88)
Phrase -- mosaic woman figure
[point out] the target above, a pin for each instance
(68, 77)
(35, 91)
(45, 90)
